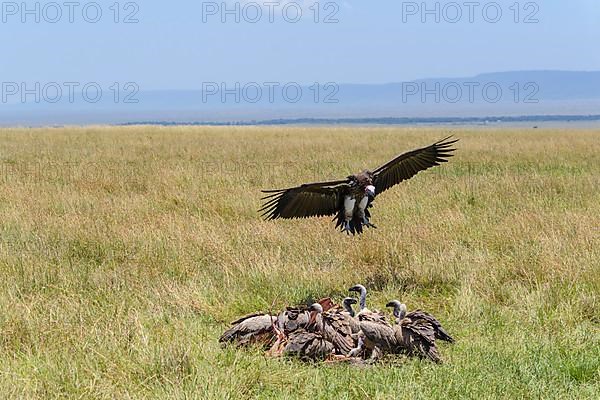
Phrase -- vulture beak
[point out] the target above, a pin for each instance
(370, 191)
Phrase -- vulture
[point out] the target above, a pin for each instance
(348, 200)
(308, 346)
(339, 328)
(293, 318)
(347, 303)
(362, 296)
(252, 329)
(368, 343)
(259, 328)
(413, 338)
(416, 338)
(400, 314)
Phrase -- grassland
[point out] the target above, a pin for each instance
(125, 251)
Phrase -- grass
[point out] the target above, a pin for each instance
(124, 252)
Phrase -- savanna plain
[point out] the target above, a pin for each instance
(126, 251)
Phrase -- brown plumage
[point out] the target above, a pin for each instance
(376, 333)
(439, 332)
(292, 319)
(371, 320)
(377, 336)
(312, 333)
(413, 338)
(303, 334)
(308, 346)
(416, 338)
(349, 199)
(337, 328)
(252, 329)
(400, 313)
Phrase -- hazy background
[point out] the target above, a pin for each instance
(162, 55)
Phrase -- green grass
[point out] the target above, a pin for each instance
(124, 252)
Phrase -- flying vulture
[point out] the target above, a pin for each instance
(348, 199)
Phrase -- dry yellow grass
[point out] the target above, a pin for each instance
(124, 251)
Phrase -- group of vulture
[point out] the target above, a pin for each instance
(325, 331)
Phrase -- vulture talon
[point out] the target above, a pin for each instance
(346, 227)
(368, 224)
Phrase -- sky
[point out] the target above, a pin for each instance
(183, 44)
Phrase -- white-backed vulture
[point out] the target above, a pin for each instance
(251, 329)
(400, 312)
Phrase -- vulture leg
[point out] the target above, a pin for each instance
(365, 222)
(358, 349)
(362, 213)
(376, 354)
(346, 227)
(349, 203)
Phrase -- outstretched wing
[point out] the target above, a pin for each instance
(308, 200)
(407, 165)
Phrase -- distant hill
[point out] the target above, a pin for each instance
(490, 95)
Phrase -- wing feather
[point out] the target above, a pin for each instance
(308, 200)
(407, 165)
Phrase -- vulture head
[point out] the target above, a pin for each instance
(399, 308)
(347, 303)
(357, 288)
(363, 295)
(370, 192)
(315, 309)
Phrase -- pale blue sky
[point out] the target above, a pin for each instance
(172, 48)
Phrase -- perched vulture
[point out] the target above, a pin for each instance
(347, 304)
(400, 314)
(370, 324)
(348, 199)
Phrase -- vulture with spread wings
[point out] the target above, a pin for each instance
(348, 199)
